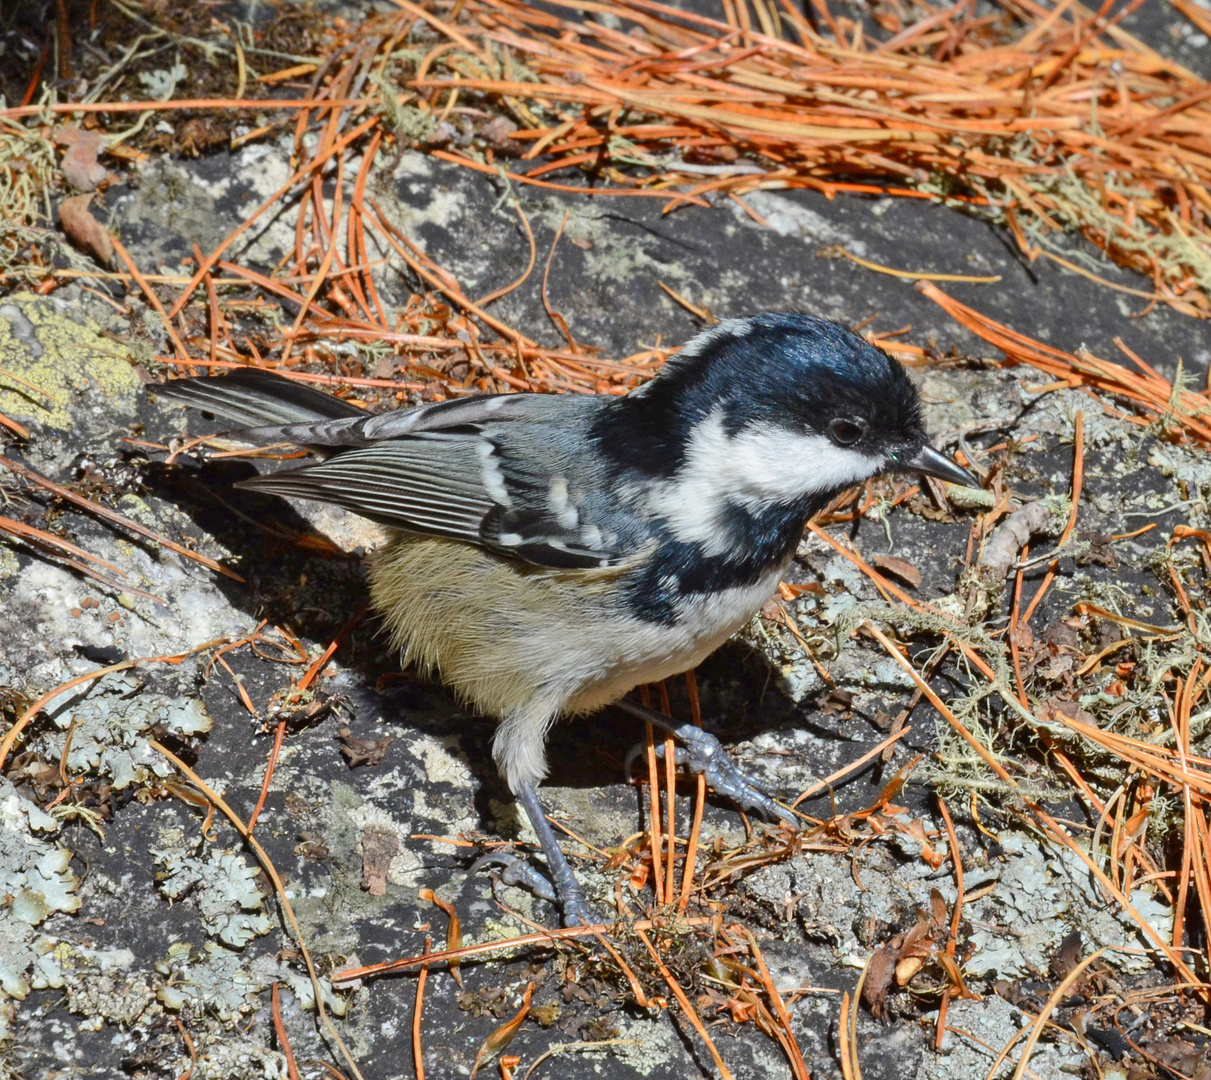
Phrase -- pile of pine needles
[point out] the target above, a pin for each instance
(1053, 119)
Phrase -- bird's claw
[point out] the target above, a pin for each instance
(517, 871)
(702, 753)
(577, 911)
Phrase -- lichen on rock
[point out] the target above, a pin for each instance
(37, 876)
(220, 883)
(107, 732)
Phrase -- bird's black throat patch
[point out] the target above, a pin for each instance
(681, 569)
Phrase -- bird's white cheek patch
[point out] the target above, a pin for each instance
(772, 463)
(762, 464)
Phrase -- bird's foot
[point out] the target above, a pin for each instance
(561, 888)
(702, 753)
(515, 870)
(577, 911)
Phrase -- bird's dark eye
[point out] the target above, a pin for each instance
(845, 432)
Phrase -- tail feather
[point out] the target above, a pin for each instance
(254, 398)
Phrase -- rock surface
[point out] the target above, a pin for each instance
(132, 913)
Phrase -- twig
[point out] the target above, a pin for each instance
(418, 1050)
(292, 1069)
(684, 1001)
(691, 848)
(1057, 995)
(1078, 475)
(115, 517)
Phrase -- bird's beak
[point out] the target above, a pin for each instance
(928, 461)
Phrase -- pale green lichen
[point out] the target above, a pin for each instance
(215, 980)
(27, 175)
(407, 121)
(37, 879)
(1043, 893)
(103, 986)
(56, 348)
(108, 730)
(273, 970)
(161, 83)
(221, 884)
(16, 956)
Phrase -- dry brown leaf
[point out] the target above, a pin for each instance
(1068, 955)
(919, 940)
(360, 751)
(880, 973)
(495, 133)
(937, 909)
(907, 968)
(84, 231)
(929, 853)
(454, 934)
(379, 847)
(80, 165)
(900, 568)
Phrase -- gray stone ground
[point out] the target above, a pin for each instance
(130, 918)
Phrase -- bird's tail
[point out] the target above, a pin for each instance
(254, 398)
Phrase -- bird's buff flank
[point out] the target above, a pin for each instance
(549, 553)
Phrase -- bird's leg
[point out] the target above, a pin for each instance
(702, 753)
(576, 908)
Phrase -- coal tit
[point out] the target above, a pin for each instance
(548, 553)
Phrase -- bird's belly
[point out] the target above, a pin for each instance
(509, 637)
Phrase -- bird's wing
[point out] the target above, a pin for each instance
(270, 408)
(506, 472)
(255, 398)
(501, 476)
(426, 485)
(366, 430)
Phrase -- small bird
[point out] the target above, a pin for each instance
(548, 553)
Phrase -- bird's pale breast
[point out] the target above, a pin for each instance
(510, 637)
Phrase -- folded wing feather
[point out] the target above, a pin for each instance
(468, 469)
